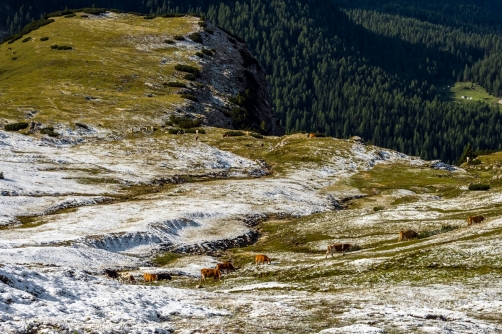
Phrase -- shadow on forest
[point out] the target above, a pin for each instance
(400, 58)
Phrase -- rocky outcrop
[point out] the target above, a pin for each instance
(232, 91)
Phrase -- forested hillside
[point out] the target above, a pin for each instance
(361, 67)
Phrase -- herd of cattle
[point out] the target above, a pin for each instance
(259, 259)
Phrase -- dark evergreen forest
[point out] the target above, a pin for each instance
(355, 67)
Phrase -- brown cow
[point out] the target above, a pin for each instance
(407, 235)
(210, 273)
(337, 248)
(150, 277)
(225, 265)
(261, 258)
(311, 135)
(474, 220)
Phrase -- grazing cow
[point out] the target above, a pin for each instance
(311, 135)
(337, 248)
(165, 276)
(196, 138)
(474, 220)
(150, 277)
(9, 48)
(225, 265)
(261, 258)
(210, 273)
(407, 235)
(113, 274)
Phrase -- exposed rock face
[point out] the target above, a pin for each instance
(230, 71)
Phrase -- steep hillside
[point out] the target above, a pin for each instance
(121, 70)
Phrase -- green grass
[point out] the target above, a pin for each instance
(166, 258)
(396, 176)
(107, 62)
(454, 92)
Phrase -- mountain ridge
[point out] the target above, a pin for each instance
(129, 75)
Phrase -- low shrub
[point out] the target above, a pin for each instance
(174, 84)
(27, 39)
(84, 16)
(70, 15)
(319, 135)
(443, 229)
(479, 186)
(28, 28)
(60, 13)
(173, 15)
(196, 37)
(14, 58)
(93, 11)
(1, 176)
(189, 97)
(61, 47)
(185, 123)
(187, 68)
(179, 37)
(256, 135)
(233, 133)
(192, 130)
(378, 208)
(149, 17)
(176, 131)
(189, 77)
(49, 131)
(189, 123)
(355, 248)
(82, 125)
(209, 31)
(208, 52)
(43, 39)
(169, 41)
(202, 24)
(199, 54)
(16, 126)
(475, 162)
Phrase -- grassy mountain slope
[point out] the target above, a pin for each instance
(120, 69)
(113, 65)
